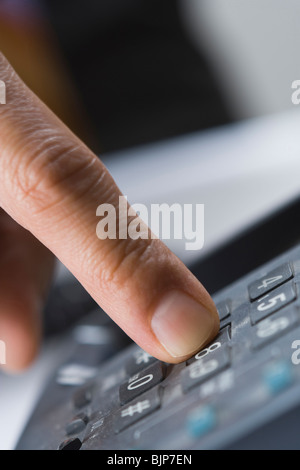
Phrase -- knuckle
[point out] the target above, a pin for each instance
(43, 177)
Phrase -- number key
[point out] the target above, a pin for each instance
(273, 327)
(199, 371)
(138, 361)
(142, 382)
(272, 302)
(219, 341)
(270, 281)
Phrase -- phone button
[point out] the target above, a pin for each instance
(139, 361)
(223, 309)
(201, 421)
(142, 382)
(270, 281)
(137, 409)
(273, 327)
(217, 343)
(82, 397)
(76, 426)
(199, 371)
(71, 444)
(272, 302)
(277, 377)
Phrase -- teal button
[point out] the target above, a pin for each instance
(277, 376)
(201, 420)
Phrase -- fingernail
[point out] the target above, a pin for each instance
(182, 325)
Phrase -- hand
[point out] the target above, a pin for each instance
(50, 187)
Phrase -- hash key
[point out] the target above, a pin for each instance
(137, 410)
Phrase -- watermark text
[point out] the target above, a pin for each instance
(2, 92)
(2, 353)
(176, 221)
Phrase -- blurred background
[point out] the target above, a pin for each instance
(167, 92)
(123, 74)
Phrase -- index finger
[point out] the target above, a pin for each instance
(52, 184)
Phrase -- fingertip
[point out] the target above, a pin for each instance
(183, 325)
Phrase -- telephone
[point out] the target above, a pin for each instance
(240, 392)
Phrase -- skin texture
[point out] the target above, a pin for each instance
(50, 187)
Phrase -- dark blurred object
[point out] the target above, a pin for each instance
(30, 45)
(67, 302)
(139, 76)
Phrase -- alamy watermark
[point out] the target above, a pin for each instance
(2, 92)
(296, 354)
(2, 353)
(176, 221)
